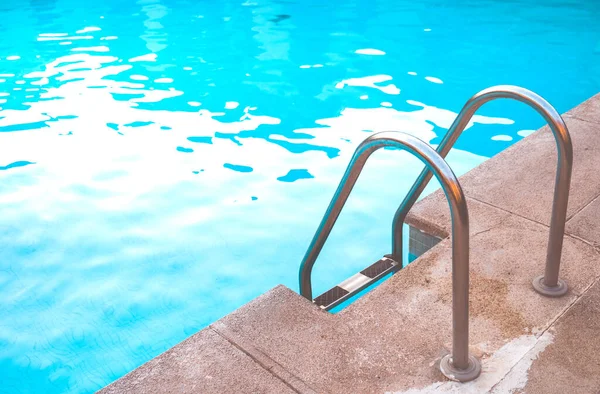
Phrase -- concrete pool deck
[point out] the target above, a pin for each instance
(391, 339)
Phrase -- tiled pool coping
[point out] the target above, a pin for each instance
(390, 339)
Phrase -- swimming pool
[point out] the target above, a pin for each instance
(164, 162)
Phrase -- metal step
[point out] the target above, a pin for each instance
(365, 278)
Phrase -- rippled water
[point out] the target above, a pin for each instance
(163, 162)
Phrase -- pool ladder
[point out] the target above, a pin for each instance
(459, 365)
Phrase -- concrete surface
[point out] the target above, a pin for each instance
(588, 111)
(573, 361)
(203, 363)
(586, 224)
(391, 339)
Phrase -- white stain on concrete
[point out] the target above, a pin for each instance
(516, 379)
(504, 372)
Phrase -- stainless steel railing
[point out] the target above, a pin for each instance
(458, 365)
(548, 284)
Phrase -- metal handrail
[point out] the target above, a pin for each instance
(548, 284)
(459, 365)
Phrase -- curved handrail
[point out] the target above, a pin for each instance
(548, 284)
(459, 365)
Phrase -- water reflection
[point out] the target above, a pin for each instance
(155, 36)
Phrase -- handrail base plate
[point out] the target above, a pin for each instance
(460, 375)
(560, 289)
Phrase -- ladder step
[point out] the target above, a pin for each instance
(356, 283)
(379, 267)
(330, 297)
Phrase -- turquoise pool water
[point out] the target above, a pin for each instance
(163, 162)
